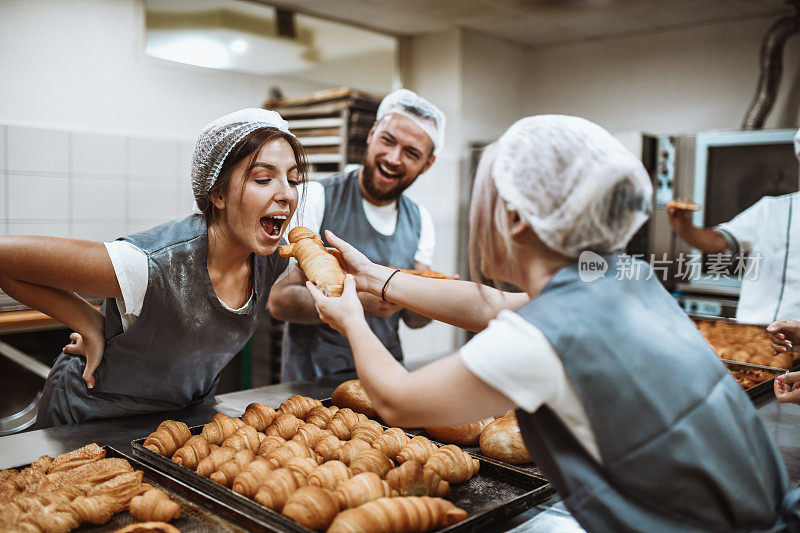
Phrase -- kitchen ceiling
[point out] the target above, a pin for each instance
(535, 22)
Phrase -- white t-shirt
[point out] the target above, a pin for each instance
(514, 357)
(130, 266)
(764, 230)
(382, 218)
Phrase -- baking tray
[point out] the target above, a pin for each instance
(199, 513)
(760, 388)
(494, 494)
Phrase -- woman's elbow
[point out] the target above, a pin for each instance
(275, 306)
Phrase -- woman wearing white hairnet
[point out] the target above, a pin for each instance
(620, 401)
(181, 298)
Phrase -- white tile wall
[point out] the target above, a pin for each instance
(100, 156)
(94, 199)
(37, 198)
(99, 232)
(37, 150)
(152, 158)
(2, 148)
(152, 200)
(50, 229)
(3, 198)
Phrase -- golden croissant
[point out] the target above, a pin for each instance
(411, 479)
(149, 527)
(220, 428)
(351, 449)
(280, 455)
(329, 475)
(367, 431)
(502, 440)
(391, 441)
(277, 488)
(268, 444)
(317, 263)
(310, 435)
(321, 415)
(398, 515)
(312, 507)
(258, 415)
(168, 437)
(193, 451)
(419, 449)
(362, 488)
(252, 477)
(227, 472)
(328, 448)
(344, 422)
(244, 437)
(285, 426)
(215, 459)
(154, 505)
(299, 406)
(301, 467)
(453, 464)
(87, 454)
(371, 460)
(107, 499)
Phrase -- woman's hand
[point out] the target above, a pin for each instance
(364, 271)
(787, 387)
(91, 346)
(784, 334)
(342, 312)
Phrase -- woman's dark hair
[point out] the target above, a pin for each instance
(250, 146)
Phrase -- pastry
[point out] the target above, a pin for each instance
(299, 406)
(195, 450)
(329, 475)
(352, 395)
(398, 515)
(220, 428)
(411, 479)
(453, 464)
(312, 507)
(258, 415)
(419, 449)
(467, 434)
(371, 460)
(317, 263)
(362, 488)
(154, 505)
(502, 440)
(391, 441)
(168, 437)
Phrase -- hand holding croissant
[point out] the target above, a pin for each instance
(319, 266)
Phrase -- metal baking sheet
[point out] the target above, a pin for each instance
(760, 388)
(199, 513)
(494, 494)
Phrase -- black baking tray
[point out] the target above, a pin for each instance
(199, 512)
(760, 388)
(494, 494)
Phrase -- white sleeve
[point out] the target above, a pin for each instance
(427, 238)
(514, 357)
(310, 212)
(743, 230)
(130, 266)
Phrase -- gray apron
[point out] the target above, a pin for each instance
(172, 355)
(311, 351)
(682, 447)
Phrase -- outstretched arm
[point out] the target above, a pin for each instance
(45, 273)
(464, 304)
(415, 320)
(704, 239)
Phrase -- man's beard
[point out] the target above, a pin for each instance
(368, 171)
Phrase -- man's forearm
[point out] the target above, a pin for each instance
(293, 303)
(704, 239)
(414, 320)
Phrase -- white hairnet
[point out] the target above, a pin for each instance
(577, 186)
(424, 114)
(217, 140)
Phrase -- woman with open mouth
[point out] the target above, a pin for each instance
(182, 298)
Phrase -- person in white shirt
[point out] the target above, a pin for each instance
(367, 206)
(588, 362)
(769, 232)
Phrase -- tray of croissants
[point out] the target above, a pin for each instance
(96, 488)
(311, 465)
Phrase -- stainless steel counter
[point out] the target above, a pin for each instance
(782, 421)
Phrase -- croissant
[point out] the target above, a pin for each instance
(317, 263)
(367, 431)
(453, 464)
(392, 515)
(228, 471)
(168, 437)
(252, 477)
(149, 527)
(195, 450)
(310, 435)
(215, 459)
(277, 488)
(321, 415)
(391, 441)
(312, 507)
(121, 488)
(411, 479)
(329, 475)
(87, 454)
(284, 452)
(352, 394)
(362, 488)
(30, 478)
(351, 449)
(88, 475)
(299, 406)
(244, 437)
(220, 428)
(419, 448)
(467, 434)
(268, 444)
(328, 447)
(502, 440)
(344, 422)
(301, 467)
(107, 499)
(258, 415)
(44, 519)
(371, 460)
(285, 426)
(154, 505)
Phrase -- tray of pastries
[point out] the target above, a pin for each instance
(743, 343)
(306, 466)
(754, 379)
(99, 489)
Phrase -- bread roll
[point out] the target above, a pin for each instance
(502, 440)
(468, 434)
(351, 394)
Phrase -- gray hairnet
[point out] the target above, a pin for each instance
(578, 187)
(424, 114)
(217, 140)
